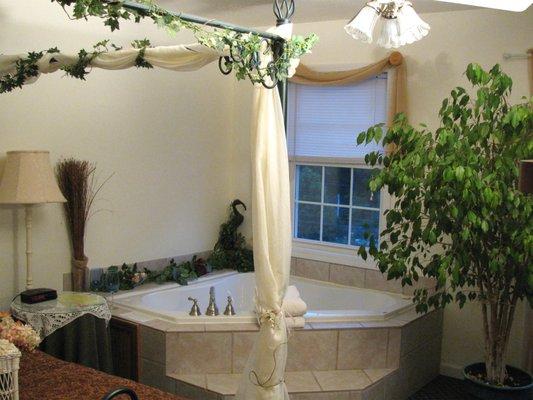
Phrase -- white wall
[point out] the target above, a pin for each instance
(435, 65)
(165, 136)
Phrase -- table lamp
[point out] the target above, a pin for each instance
(29, 180)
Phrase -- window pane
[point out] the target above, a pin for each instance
(308, 222)
(362, 196)
(337, 185)
(309, 183)
(364, 221)
(336, 222)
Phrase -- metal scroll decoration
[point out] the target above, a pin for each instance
(267, 74)
(284, 10)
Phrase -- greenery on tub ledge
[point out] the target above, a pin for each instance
(130, 276)
(244, 63)
(230, 252)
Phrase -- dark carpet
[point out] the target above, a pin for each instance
(443, 388)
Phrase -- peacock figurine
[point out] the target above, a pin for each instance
(230, 250)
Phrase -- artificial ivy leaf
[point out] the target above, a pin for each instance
(459, 173)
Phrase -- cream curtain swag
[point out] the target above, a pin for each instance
(394, 62)
(175, 58)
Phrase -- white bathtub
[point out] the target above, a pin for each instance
(326, 302)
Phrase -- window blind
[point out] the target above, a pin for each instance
(324, 121)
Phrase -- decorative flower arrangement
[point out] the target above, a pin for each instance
(22, 336)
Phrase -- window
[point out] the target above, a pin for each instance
(333, 205)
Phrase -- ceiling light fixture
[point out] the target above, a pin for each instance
(401, 24)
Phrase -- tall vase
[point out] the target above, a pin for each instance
(79, 273)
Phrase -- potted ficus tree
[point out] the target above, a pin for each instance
(459, 217)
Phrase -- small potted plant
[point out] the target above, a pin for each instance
(459, 216)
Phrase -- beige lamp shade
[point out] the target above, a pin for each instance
(29, 179)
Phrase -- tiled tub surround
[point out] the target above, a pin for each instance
(371, 360)
(353, 276)
(382, 360)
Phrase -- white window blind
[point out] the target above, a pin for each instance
(324, 121)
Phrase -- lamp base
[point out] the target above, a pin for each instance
(39, 295)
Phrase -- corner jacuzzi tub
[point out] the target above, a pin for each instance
(326, 302)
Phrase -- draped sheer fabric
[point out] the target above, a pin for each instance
(175, 58)
(263, 377)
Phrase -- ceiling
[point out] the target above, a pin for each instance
(259, 12)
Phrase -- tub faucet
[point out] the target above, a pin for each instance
(212, 308)
(195, 310)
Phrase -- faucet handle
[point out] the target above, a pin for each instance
(195, 310)
(229, 307)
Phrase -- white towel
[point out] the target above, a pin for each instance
(293, 305)
(295, 322)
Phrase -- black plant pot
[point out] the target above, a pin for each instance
(484, 391)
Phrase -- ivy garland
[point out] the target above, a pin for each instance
(25, 68)
(79, 69)
(245, 48)
(140, 62)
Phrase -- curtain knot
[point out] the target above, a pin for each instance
(271, 317)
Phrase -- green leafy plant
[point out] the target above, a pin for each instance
(230, 250)
(180, 273)
(458, 215)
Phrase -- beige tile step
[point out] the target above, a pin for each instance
(337, 384)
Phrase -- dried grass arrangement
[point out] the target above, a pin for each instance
(79, 184)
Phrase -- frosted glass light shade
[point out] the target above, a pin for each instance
(400, 25)
(29, 179)
(411, 26)
(390, 37)
(362, 25)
